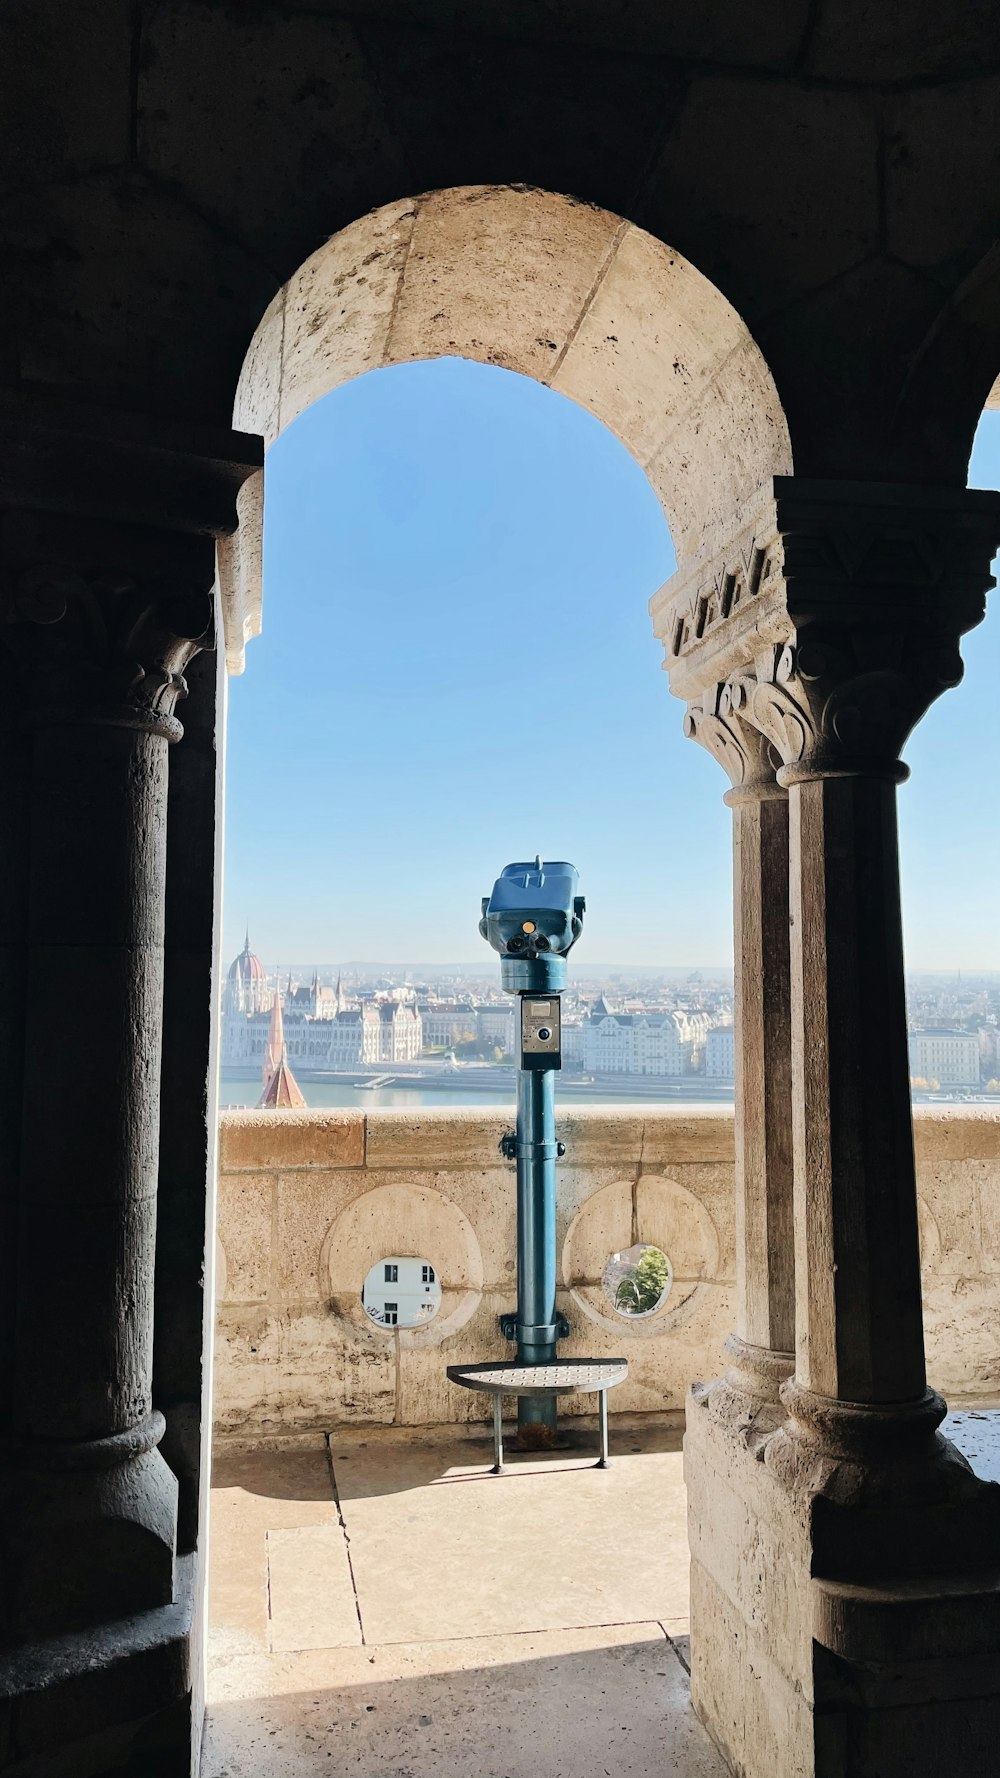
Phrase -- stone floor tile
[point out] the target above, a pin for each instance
(551, 1544)
(590, 1703)
(254, 1492)
(310, 1593)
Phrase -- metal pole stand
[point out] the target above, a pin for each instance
(533, 918)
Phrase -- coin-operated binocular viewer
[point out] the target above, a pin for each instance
(533, 918)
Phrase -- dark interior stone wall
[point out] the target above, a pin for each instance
(831, 166)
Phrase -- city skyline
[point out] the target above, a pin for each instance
(598, 967)
(315, 1029)
(457, 668)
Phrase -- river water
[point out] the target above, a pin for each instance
(319, 1094)
(237, 1093)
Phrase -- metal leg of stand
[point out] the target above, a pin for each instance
(497, 1434)
(602, 1412)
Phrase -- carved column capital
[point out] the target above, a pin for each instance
(109, 526)
(744, 751)
(105, 646)
(844, 699)
(832, 622)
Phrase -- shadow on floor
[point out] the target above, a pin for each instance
(617, 1707)
(276, 1475)
(368, 1467)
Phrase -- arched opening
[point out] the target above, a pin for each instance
(559, 290)
(602, 314)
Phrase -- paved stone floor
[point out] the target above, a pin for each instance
(383, 1607)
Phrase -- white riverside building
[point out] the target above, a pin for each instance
(664, 1043)
(720, 1053)
(950, 1057)
(446, 1022)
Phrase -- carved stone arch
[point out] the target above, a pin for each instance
(552, 288)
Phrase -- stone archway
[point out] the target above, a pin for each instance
(540, 284)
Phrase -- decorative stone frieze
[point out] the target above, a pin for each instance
(832, 622)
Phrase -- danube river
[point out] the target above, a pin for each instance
(238, 1091)
(319, 1094)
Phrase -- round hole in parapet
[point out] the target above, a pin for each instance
(637, 1281)
(400, 1291)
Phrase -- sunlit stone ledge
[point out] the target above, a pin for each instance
(309, 1201)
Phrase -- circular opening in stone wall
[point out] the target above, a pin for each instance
(637, 1281)
(400, 1291)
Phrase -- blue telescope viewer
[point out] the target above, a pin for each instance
(533, 918)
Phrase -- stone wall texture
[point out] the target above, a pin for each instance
(308, 1201)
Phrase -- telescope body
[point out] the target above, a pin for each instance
(532, 919)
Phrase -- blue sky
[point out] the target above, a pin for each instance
(457, 669)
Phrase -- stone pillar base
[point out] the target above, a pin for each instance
(113, 1700)
(796, 1675)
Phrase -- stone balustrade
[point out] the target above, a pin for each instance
(309, 1201)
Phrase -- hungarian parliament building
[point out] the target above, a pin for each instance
(322, 1029)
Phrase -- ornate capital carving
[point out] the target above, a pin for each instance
(842, 699)
(108, 641)
(743, 750)
(849, 602)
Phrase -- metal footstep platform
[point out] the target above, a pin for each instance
(572, 1376)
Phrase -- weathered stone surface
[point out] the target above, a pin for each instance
(956, 1133)
(246, 1229)
(963, 1337)
(698, 1133)
(472, 251)
(444, 1139)
(828, 168)
(829, 1662)
(314, 1360)
(309, 1590)
(931, 202)
(604, 1224)
(412, 1219)
(310, 1200)
(337, 312)
(296, 87)
(281, 1140)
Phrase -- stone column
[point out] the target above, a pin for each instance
(843, 1600)
(102, 653)
(107, 592)
(876, 620)
(760, 1349)
(185, 1215)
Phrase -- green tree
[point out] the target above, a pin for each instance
(641, 1289)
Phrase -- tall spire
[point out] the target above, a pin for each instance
(282, 1092)
(275, 1045)
(281, 1089)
